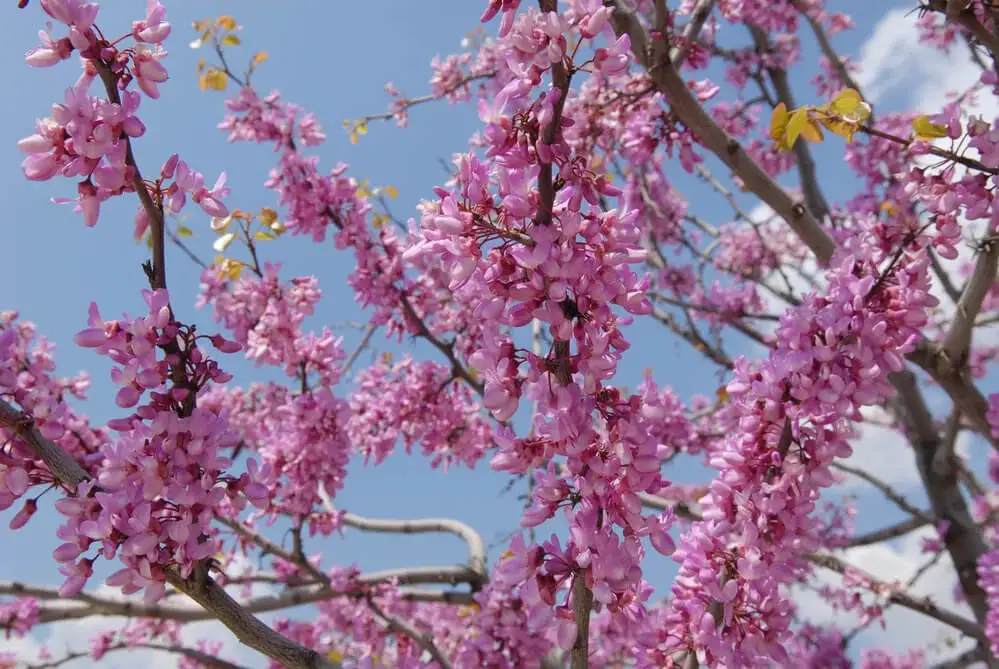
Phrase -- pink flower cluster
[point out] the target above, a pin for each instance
(88, 137)
(160, 482)
(418, 403)
(833, 356)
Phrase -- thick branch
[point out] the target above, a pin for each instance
(698, 17)
(205, 591)
(67, 470)
(687, 109)
(958, 340)
(582, 604)
(963, 540)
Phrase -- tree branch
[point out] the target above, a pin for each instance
(922, 605)
(688, 110)
(958, 339)
(205, 592)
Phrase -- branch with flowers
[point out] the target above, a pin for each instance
(565, 215)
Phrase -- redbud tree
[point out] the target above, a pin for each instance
(554, 234)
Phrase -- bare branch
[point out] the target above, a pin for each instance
(691, 31)
(205, 659)
(476, 546)
(894, 595)
(887, 491)
(886, 533)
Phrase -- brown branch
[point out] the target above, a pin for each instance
(205, 659)
(897, 498)
(582, 604)
(698, 17)
(958, 339)
(688, 110)
(423, 639)
(962, 539)
(63, 467)
(922, 605)
(956, 382)
(886, 533)
(204, 591)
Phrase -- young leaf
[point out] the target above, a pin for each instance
(850, 105)
(797, 123)
(925, 129)
(778, 123)
(231, 40)
(213, 79)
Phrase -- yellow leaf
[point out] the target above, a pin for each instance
(277, 227)
(335, 655)
(204, 37)
(386, 357)
(928, 130)
(353, 138)
(778, 123)
(361, 128)
(215, 80)
(264, 236)
(391, 191)
(797, 123)
(837, 126)
(889, 208)
(231, 40)
(259, 57)
(184, 231)
(379, 220)
(267, 216)
(227, 22)
(224, 241)
(203, 82)
(849, 104)
(201, 65)
(722, 394)
(201, 26)
(230, 269)
(812, 132)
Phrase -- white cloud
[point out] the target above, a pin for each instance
(894, 60)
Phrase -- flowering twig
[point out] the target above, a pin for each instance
(204, 591)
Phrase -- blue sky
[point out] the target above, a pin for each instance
(332, 59)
